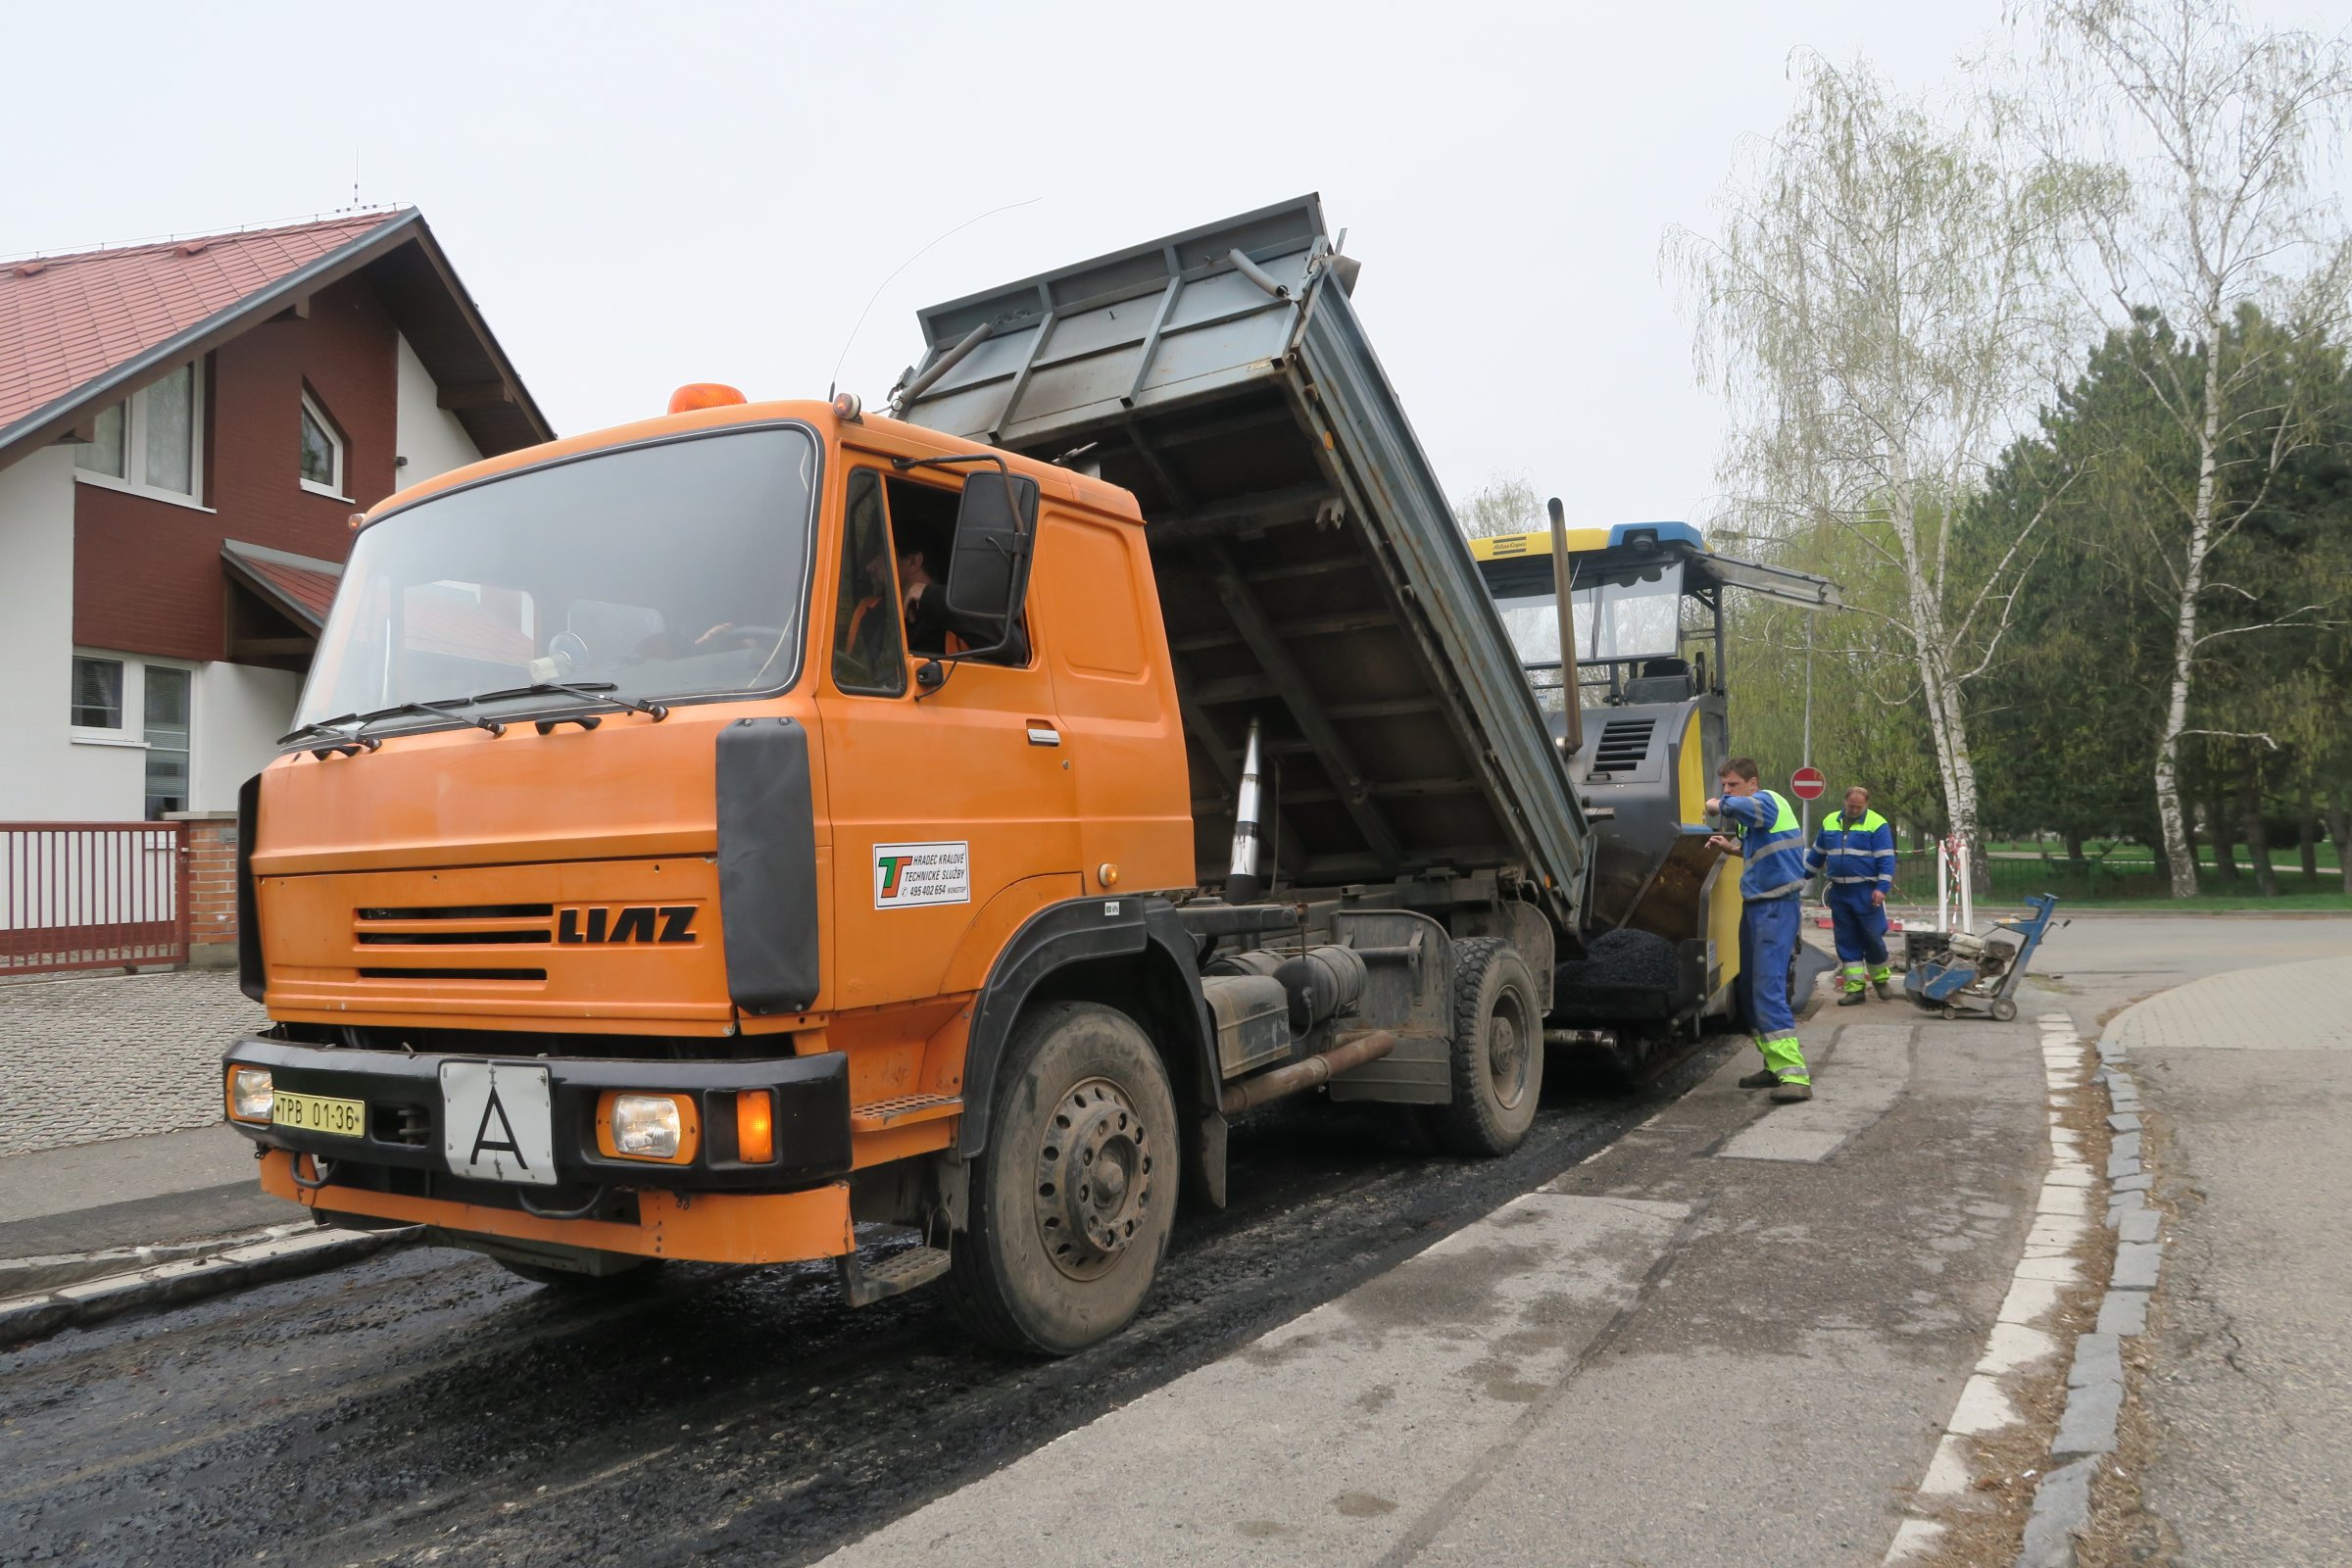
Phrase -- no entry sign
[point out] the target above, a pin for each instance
(1807, 783)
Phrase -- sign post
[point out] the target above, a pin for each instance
(1807, 782)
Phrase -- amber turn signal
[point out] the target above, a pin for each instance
(756, 1127)
(703, 395)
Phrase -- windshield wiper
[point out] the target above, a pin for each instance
(587, 691)
(319, 727)
(447, 708)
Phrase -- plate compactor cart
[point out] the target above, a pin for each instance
(1960, 972)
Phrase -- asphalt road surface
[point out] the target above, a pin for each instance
(427, 1407)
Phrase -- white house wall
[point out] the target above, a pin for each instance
(427, 436)
(241, 710)
(44, 774)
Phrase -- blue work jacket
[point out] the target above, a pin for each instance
(1773, 843)
(1855, 851)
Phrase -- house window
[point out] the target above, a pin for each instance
(167, 718)
(98, 693)
(104, 454)
(322, 451)
(151, 442)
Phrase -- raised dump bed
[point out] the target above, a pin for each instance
(1310, 572)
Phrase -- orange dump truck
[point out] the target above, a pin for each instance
(710, 836)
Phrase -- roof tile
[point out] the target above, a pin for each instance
(66, 319)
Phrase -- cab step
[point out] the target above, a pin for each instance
(903, 1110)
(864, 1285)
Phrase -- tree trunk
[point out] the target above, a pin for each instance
(2223, 835)
(2339, 834)
(2184, 622)
(2074, 849)
(2307, 835)
(2258, 832)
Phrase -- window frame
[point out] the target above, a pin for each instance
(119, 732)
(128, 737)
(146, 668)
(338, 442)
(133, 480)
(894, 606)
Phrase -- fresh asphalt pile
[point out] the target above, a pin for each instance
(1616, 964)
(430, 1407)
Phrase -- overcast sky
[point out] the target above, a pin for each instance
(643, 195)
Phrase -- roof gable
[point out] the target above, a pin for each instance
(81, 331)
(67, 319)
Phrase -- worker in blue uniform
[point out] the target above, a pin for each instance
(1855, 853)
(1765, 831)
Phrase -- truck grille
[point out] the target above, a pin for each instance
(454, 925)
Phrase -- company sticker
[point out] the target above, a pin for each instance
(909, 875)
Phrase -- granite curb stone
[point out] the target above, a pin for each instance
(35, 1317)
(2061, 1508)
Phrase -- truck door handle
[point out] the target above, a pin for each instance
(1041, 733)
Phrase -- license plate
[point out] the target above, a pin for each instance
(317, 1113)
(496, 1122)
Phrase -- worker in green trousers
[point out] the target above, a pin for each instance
(1855, 854)
(1764, 829)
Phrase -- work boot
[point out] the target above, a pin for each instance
(1852, 998)
(1788, 1092)
(1885, 990)
(1767, 1079)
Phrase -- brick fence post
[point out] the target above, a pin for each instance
(211, 888)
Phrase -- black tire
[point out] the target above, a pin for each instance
(1497, 1051)
(1046, 1269)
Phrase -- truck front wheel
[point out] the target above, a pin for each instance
(1497, 1051)
(1073, 1200)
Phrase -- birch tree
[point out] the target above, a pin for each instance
(1879, 308)
(1504, 504)
(2220, 127)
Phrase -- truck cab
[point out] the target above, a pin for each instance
(615, 763)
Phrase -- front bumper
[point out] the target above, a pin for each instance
(403, 1130)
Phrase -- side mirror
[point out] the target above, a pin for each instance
(988, 576)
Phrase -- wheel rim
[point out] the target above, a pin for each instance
(1093, 1179)
(1509, 1057)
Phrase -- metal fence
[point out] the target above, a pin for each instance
(92, 894)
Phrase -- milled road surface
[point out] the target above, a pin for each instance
(429, 1408)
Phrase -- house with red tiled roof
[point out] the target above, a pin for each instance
(186, 429)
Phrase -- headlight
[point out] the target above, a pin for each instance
(647, 1126)
(250, 1096)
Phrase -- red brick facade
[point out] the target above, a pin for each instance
(147, 575)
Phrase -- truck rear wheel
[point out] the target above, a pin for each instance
(1072, 1202)
(1497, 1051)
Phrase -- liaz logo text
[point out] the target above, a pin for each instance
(635, 923)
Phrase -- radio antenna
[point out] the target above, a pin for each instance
(835, 381)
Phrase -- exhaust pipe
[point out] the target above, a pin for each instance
(1562, 588)
(1242, 882)
(1352, 1052)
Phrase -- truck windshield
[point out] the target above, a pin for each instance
(676, 569)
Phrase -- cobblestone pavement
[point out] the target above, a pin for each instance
(115, 1056)
(2286, 1007)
